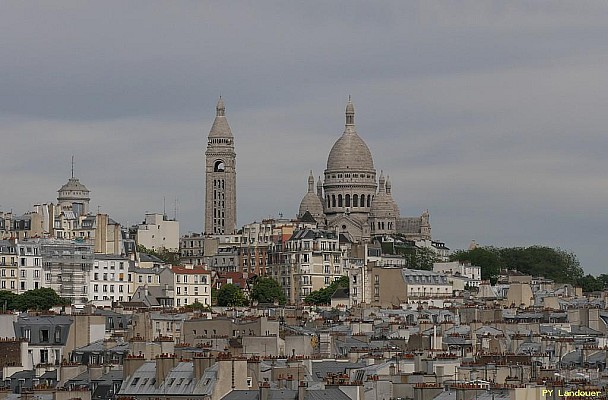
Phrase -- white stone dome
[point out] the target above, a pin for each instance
(350, 152)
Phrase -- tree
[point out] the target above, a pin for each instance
(488, 258)
(323, 296)
(604, 279)
(39, 300)
(231, 295)
(163, 254)
(555, 264)
(420, 258)
(8, 300)
(196, 306)
(267, 290)
(590, 284)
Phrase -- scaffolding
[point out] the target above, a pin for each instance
(68, 263)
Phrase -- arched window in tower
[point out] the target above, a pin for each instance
(219, 166)
(333, 200)
(369, 200)
(340, 204)
(328, 204)
(362, 200)
(355, 200)
(347, 200)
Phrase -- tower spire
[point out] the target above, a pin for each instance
(311, 182)
(220, 108)
(350, 113)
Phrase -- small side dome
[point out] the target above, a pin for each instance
(311, 202)
(383, 205)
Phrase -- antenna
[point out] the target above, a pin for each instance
(175, 209)
(164, 207)
(72, 165)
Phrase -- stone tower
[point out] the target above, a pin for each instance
(220, 176)
(74, 196)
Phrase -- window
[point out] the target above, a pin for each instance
(44, 356)
(44, 335)
(96, 288)
(57, 334)
(23, 273)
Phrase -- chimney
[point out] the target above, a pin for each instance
(302, 390)
(95, 372)
(164, 365)
(131, 364)
(264, 390)
(202, 361)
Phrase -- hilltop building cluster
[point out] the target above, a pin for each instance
(141, 327)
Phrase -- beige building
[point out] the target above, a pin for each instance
(472, 273)
(315, 261)
(158, 232)
(395, 286)
(220, 176)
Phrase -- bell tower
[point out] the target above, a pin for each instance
(220, 176)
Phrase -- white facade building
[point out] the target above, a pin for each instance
(108, 280)
(190, 285)
(30, 267)
(158, 232)
(457, 269)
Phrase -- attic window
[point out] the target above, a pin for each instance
(57, 334)
(44, 335)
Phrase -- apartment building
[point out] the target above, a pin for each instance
(30, 266)
(190, 284)
(108, 279)
(315, 261)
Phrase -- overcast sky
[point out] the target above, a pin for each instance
(492, 115)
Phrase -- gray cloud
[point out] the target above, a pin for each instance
(489, 114)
